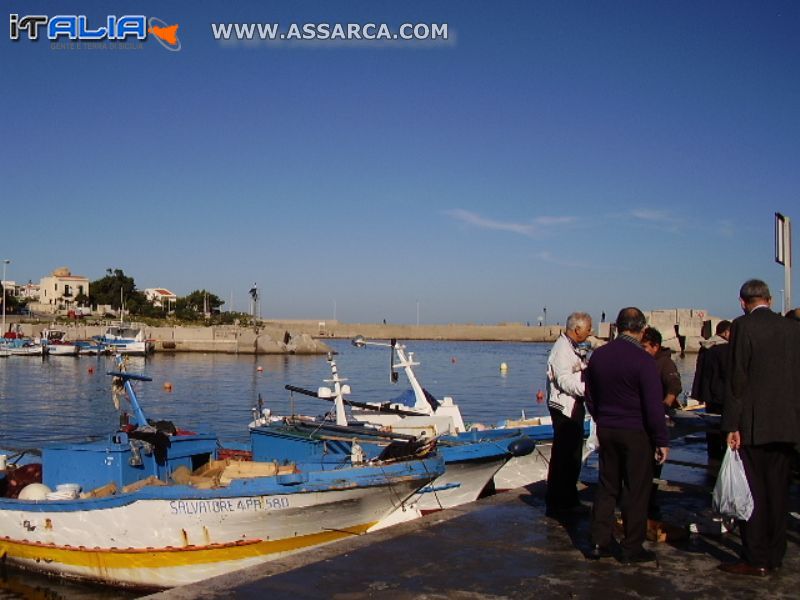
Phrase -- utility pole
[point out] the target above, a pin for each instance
(3, 283)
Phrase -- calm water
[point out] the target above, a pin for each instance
(62, 398)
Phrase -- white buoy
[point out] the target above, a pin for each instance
(503, 367)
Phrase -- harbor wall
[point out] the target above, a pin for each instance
(225, 339)
(682, 329)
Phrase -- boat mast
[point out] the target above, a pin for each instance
(339, 391)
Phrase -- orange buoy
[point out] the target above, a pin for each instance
(259, 369)
(540, 396)
(90, 369)
(168, 386)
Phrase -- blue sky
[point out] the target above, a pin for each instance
(573, 155)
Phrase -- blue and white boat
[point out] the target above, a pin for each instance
(470, 463)
(160, 508)
(418, 410)
(56, 344)
(125, 339)
(22, 346)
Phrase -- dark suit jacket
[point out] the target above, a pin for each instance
(762, 401)
(714, 376)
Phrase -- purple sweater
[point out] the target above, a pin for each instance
(623, 390)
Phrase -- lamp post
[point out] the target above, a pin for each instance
(3, 282)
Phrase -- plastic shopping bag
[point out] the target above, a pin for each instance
(732, 495)
(592, 443)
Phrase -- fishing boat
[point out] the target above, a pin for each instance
(417, 408)
(56, 344)
(152, 506)
(470, 463)
(23, 347)
(125, 339)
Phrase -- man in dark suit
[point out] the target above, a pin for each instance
(761, 417)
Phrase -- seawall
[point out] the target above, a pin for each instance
(682, 329)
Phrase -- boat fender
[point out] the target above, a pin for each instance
(521, 446)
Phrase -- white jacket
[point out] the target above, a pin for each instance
(564, 367)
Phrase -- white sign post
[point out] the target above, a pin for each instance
(783, 255)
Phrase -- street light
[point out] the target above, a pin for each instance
(3, 282)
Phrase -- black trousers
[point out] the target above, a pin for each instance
(565, 459)
(768, 469)
(626, 462)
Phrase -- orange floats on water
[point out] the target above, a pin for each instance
(168, 386)
(260, 369)
(90, 369)
(540, 396)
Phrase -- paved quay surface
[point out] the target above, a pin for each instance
(505, 547)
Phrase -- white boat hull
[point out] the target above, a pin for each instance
(62, 350)
(187, 540)
(461, 483)
(129, 348)
(524, 470)
(27, 351)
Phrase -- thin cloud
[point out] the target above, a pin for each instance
(661, 219)
(545, 256)
(652, 216)
(528, 228)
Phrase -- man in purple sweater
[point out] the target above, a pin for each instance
(623, 394)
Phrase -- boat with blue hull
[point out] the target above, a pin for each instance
(162, 507)
(416, 410)
(470, 463)
(125, 338)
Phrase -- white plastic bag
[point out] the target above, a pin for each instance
(732, 495)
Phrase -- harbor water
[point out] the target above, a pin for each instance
(66, 398)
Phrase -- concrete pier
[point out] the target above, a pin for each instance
(505, 547)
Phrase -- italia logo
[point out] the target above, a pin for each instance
(78, 28)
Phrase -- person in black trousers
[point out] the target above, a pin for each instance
(565, 366)
(623, 394)
(761, 417)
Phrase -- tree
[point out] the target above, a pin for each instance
(193, 305)
(107, 290)
(11, 302)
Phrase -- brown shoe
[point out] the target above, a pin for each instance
(742, 568)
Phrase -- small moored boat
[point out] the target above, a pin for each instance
(125, 339)
(56, 344)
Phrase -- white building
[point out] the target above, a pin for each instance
(59, 290)
(29, 290)
(160, 297)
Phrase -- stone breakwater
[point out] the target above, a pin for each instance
(266, 339)
(682, 329)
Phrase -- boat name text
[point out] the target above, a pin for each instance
(199, 507)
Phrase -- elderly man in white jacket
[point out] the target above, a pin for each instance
(565, 366)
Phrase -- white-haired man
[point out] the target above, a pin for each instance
(566, 389)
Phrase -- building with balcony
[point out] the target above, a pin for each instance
(59, 290)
